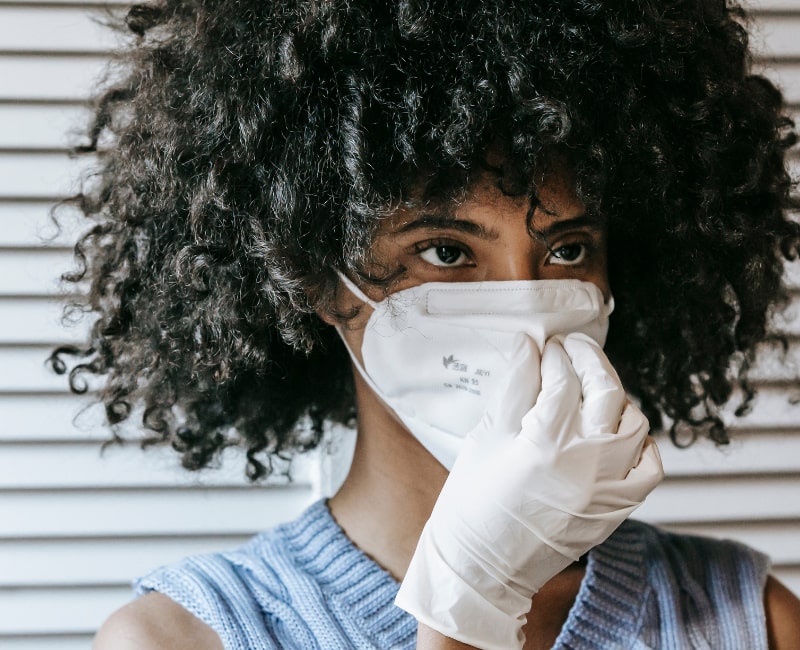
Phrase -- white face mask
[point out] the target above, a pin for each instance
(434, 353)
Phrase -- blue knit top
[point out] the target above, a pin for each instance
(305, 585)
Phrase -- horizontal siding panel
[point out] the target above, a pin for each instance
(55, 29)
(121, 3)
(41, 175)
(54, 610)
(724, 499)
(776, 364)
(73, 77)
(231, 511)
(28, 224)
(35, 419)
(792, 274)
(793, 162)
(60, 418)
(26, 371)
(762, 453)
(27, 321)
(47, 642)
(99, 513)
(80, 29)
(17, 607)
(86, 562)
(784, 75)
(65, 417)
(80, 610)
(35, 317)
(37, 273)
(773, 408)
(790, 577)
(780, 540)
(776, 37)
(787, 321)
(35, 126)
(76, 610)
(782, 6)
(83, 562)
(85, 465)
(81, 465)
(23, 273)
(750, 5)
(55, 79)
(38, 320)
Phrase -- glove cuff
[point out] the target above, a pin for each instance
(439, 597)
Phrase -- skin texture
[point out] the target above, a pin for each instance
(783, 616)
(394, 482)
(155, 622)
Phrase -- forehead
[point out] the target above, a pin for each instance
(492, 192)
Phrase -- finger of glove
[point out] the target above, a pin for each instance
(603, 395)
(516, 393)
(624, 472)
(647, 473)
(622, 450)
(552, 419)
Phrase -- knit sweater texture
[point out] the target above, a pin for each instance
(304, 585)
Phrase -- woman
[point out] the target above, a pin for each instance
(454, 191)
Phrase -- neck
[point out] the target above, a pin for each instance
(391, 488)
(389, 494)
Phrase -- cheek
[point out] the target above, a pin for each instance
(599, 277)
(602, 280)
(597, 271)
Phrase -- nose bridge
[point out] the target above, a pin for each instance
(518, 259)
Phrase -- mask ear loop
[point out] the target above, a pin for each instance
(367, 300)
(356, 362)
(355, 290)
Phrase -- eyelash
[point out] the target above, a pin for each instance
(586, 250)
(424, 246)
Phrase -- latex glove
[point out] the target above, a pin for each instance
(533, 489)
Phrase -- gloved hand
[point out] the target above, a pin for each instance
(534, 488)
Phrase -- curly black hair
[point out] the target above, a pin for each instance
(248, 148)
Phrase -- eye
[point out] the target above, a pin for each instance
(568, 254)
(444, 255)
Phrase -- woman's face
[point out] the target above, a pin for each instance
(485, 237)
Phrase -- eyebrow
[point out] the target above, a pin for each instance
(585, 220)
(442, 222)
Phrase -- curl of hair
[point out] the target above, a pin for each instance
(255, 146)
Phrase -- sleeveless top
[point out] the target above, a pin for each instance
(305, 585)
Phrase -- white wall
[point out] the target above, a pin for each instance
(75, 528)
